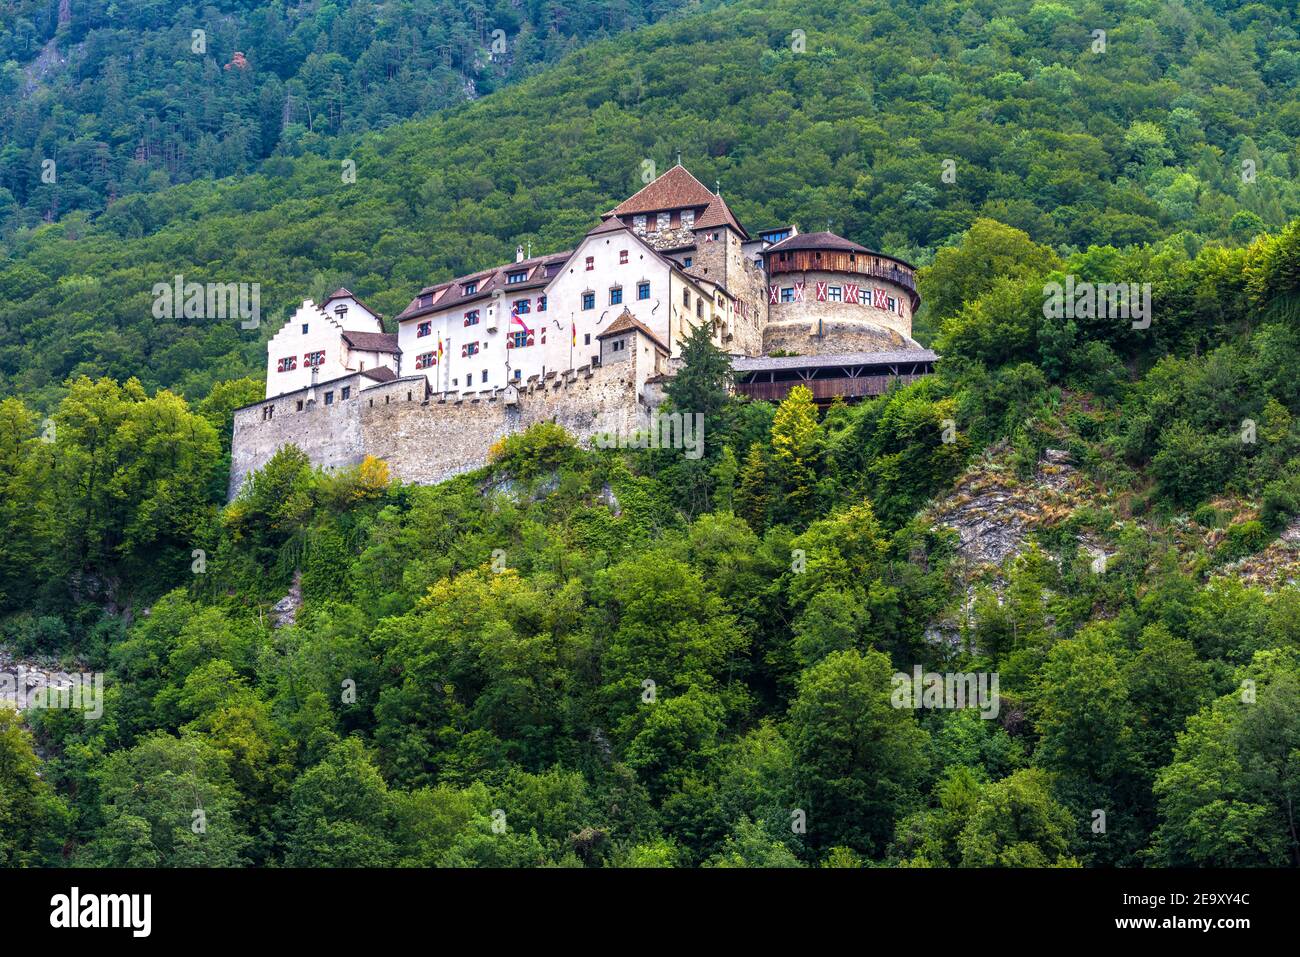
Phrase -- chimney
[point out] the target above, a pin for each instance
(519, 254)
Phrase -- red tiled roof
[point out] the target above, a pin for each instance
(490, 281)
(372, 341)
(627, 323)
(720, 214)
(822, 240)
(675, 189)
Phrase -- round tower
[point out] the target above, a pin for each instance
(829, 295)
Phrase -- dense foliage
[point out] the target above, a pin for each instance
(631, 658)
(1074, 147)
(124, 98)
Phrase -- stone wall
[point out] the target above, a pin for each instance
(818, 328)
(426, 438)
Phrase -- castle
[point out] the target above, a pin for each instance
(585, 338)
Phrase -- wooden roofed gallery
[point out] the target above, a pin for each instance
(851, 375)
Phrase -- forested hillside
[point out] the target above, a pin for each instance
(629, 658)
(1143, 141)
(131, 96)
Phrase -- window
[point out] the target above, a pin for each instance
(686, 297)
(588, 300)
(329, 398)
(267, 412)
(523, 305)
(426, 300)
(541, 303)
(699, 307)
(469, 349)
(519, 340)
(300, 405)
(423, 329)
(834, 293)
(643, 290)
(287, 364)
(687, 261)
(346, 392)
(618, 345)
(471, 318)
(591, 263)
(615, 295)
(622, 257)
(514, 277)
(519, 374)
(469, 288)
(313, 359)
(304, 328)
(426, 360)
(485, 375)
(787, 294)
(864, 297)
(586, 339)
(893, 303)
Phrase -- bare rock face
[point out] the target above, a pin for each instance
(993, 511)
(285, 611)
(1275, 566)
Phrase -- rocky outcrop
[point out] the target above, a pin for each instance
(993, 511)
(285, 611)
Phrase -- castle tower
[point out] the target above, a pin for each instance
(828, 295)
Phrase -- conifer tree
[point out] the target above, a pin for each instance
(796, 444)
(751, 498)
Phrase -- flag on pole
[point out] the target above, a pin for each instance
(574, 327)
(514, 317)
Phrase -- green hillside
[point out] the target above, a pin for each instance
(131, 96)
(629, 658)
(1141, 142)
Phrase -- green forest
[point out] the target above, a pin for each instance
(627, 658)
(106, 89)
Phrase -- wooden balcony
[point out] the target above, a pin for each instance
(824, 390)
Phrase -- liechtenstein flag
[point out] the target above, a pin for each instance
(514, 317)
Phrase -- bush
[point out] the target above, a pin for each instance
(544, 447)
(1280, 504)
(1243, 539)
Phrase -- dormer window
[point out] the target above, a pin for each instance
(518, 276)
(469, 288)
(426, 300)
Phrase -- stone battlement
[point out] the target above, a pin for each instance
(427, 437)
